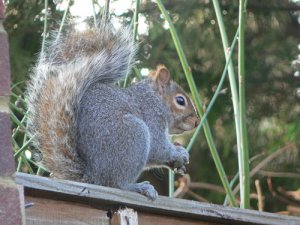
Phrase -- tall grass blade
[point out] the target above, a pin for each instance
(198, 103)
(198, 129)
(244, 154)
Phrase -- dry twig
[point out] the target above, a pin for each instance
(259, 196)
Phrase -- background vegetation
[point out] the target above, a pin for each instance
(271, 45)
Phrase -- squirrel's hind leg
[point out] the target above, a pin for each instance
(137, 128)
(119, 162)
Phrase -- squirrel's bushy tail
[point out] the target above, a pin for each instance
(69, 65)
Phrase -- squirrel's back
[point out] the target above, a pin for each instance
(68, 66)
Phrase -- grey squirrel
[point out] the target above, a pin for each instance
(90, 130)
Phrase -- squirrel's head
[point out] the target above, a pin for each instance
(183, 113)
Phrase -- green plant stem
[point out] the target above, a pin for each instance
(20, 163)
(232, 81)
(19, 124)
(171, 183)
(15, 85)
(234, 179)
(196, 98)
(37, 165)
(106, 12)
(244, 156)
(18, 97)
(40, 171)
(24, 146)
(15, 144)
(232, 78)
(216, 94)
(136, 19)
(45, 27)
(63, 20)
(26, 162)
(19, 110)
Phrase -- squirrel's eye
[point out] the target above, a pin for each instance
(180, 100)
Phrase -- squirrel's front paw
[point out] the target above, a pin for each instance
(180, 170)
(144, 188)
(180, 157)
(148, 190)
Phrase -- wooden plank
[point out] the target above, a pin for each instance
(124, 217)
(150, 219)
(108, 197)
(54, 212)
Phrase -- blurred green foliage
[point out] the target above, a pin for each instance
(273, 109)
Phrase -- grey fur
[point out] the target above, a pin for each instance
(96, 132)
(133, 123)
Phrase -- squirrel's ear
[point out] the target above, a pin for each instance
(161, 77)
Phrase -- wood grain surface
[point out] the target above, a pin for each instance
(107, 198)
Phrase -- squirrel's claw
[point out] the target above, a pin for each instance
(181, 170)
(179, 160)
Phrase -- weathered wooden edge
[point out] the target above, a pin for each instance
(163, 205)
(124, 217)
